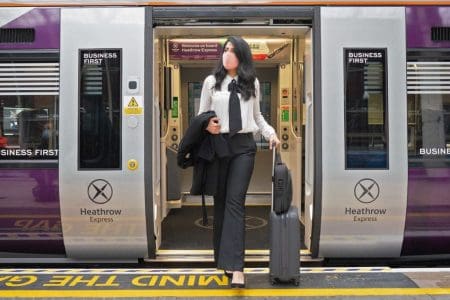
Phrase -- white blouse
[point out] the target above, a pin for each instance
(252, 119)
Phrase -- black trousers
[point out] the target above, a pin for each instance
(229, 203)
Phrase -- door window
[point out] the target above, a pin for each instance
(366, 130)
(265, 91)
(100, 109)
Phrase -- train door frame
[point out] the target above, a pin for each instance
(165, 16)
(308, 175)
(364, 126)
(101, 150)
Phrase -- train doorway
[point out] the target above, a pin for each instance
(182, 58)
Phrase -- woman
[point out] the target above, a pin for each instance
(233, 93)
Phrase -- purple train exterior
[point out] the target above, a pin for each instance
(427, 223)
(30, 217)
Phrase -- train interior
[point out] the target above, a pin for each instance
(183, 58)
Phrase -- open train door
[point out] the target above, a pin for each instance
(102, 188)
(363, 136)
(309, 140)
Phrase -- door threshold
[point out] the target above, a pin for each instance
(251, 255)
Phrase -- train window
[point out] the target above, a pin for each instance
(194, 92)
(100, 109)
(29, 100)
(428, 113)
(365, 109)
(265, 94)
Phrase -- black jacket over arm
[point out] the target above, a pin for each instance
(201, 149)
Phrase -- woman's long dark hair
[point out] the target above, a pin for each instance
(245, 71)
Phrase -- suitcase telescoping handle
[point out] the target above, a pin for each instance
(274, 155)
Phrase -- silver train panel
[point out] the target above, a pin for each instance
(309, 139)
(9, 14)
(103, 211)
(366, 227)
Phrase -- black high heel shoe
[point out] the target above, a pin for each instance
(228, 274)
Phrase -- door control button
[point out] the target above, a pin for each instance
(132, 164)
(132, 122)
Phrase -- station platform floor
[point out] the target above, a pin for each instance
(139, 283)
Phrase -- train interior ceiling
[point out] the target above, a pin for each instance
(183, 58)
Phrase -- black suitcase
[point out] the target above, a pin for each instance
(284, 264)
(282, 185)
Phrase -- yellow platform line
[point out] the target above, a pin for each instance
(300, 292)
(212, 271)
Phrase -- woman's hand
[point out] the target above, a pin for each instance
(213, 126)
(273, 141)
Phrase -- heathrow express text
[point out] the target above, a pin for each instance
(100, 215)
(365, 214)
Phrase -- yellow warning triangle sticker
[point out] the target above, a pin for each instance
(133, 107)
(133, 103)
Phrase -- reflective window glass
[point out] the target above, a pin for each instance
(29, 104)
(100, 109)
(194, 93)
(265, 92)
(366, 131)
(428, 109)
(429, 130)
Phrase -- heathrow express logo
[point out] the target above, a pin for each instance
(100, 191)
(366, 190)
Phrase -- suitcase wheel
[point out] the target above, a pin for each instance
(296, 281)
(273, 280)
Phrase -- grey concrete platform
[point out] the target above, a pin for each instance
(315, 283)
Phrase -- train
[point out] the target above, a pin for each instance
(95, 97)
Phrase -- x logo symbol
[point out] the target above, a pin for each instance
(366, 190)
(100, 187)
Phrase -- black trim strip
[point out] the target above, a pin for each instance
(16, 165)
(148, 131)
(418, 54)
(232, 12)
(317, 112)
(33, 55)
